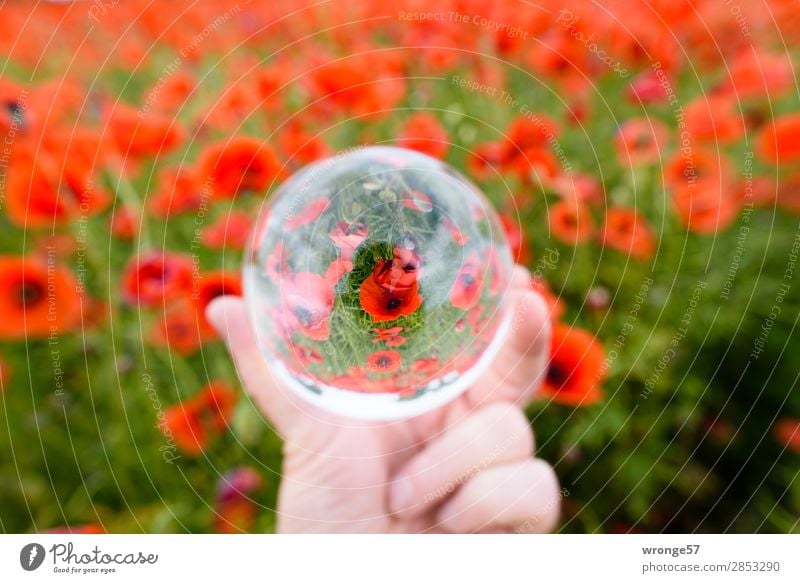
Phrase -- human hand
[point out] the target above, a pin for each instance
(465, 467)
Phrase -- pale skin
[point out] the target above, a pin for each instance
(468, 466)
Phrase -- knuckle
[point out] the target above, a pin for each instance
(513, 429)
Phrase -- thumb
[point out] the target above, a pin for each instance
(228, 315)
(519, 367)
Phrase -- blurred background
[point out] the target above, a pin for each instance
(644, 156)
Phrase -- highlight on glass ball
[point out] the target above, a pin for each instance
(376, 283)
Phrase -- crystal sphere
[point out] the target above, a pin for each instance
(376, 282)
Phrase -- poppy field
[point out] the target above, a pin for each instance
(643, 158)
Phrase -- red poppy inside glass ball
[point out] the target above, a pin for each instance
(377, 283)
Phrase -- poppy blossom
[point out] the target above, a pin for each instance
(647, 88)
(123, 223)
(193, 423)
(714, 119)
(787, 433)
(423, 132)
(229, 231)
(143, 134)
(575, 369)
(640, 141)
(177, 328)
(485, 160)
(304, 355)
(238, 165)
(276, 264)
(301, 146)
(212, 285)
(235, 510)
(178, 192)
(39, 194)
(418, 201)
(155, 278)
(307, 300)
(684, 170)
(517, 240)
(570, 222)
(779, 142)
(392, 290)
(38, 299)
(348, 237)
(755, 73)
(391, 336)
(466, 290)
(308, 214)
(628, 232)
(579, 187)
(706, 206)
(384, 361)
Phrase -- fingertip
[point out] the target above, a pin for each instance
(520, 277)
(222, 311)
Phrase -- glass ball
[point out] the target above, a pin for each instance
(376, 283)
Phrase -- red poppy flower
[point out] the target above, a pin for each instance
(78, 529)
(466, 290)
(229, 231)
(336, 270)
(307, 300)
(647, 89)
(238, 165)
(779, 142)
(155, 278)
(570, 222)
(302, 147)
(235, 104)
(787, 433)
(391, 336)
(393, 289)
(177, 328)
(788, 196)
(485, 160)
(683, 170)
(714, 119)
(235, 509)
(309, 214)
(418, 201)
(143, 134)
(706, 207)
(579, 187)
(384, 361)
(304, 356)
(195, 421)
(361, 84)
(178, 192)
(277, 265)
(347, 237)
(517, 240)
(38, 194)
(628, 232)
(640, 141)
(38, 299)
(212, 285)
(123, 224)
(535, 165)
(170, 94)
(423, 132)
(575, 369)
(757, 73)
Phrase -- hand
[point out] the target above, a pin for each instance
(465, 467)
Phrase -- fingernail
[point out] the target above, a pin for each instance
(401, 495)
